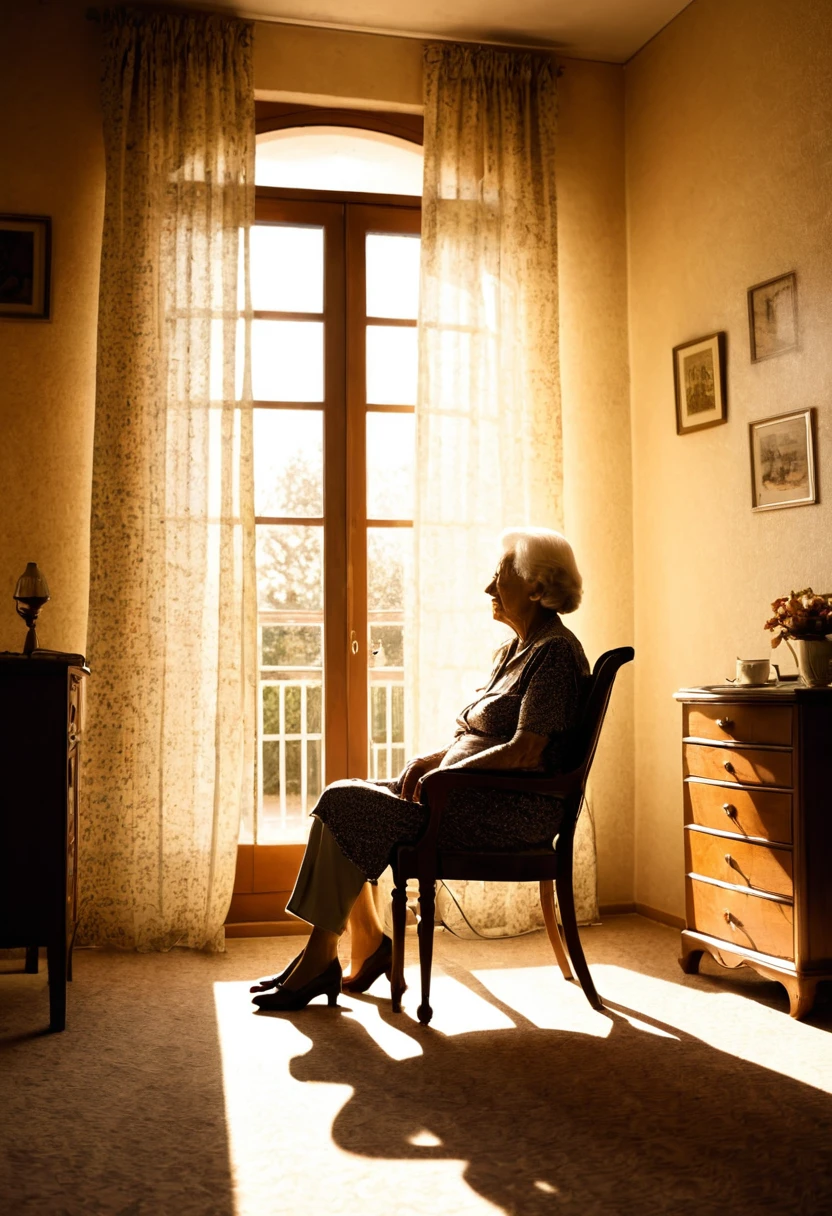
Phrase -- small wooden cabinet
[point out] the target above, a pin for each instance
(758, 832)
(41, 713)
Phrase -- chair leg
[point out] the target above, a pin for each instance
(547, 903)
(397, 984)
(566, 904)
(427, 905)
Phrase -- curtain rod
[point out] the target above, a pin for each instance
(94, 14)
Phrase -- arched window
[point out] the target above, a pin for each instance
(335, 285)
(339, 158)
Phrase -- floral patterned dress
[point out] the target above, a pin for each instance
(534, 687)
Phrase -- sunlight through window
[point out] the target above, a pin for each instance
(338, 158)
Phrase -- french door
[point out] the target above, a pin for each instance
(335, 286)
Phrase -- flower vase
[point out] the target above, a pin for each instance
(814, 661)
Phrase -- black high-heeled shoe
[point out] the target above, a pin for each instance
(274, 981)
(381, 960)
(327, 984)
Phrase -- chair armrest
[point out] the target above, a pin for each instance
(439, 784)
(444, 780)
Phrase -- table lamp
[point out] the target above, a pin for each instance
(31, 593)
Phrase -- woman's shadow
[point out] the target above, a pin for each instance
(551, 1120)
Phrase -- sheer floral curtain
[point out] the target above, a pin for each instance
(169, 733)
(489, 451)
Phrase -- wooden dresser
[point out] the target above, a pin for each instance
(41, 708)
(758, 832)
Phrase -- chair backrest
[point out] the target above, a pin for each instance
(584, 737)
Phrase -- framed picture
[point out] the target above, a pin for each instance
(772, 317)
(783, 461)
(25, 255)
(699, 378)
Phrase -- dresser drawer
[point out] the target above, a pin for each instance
(742, 723)
(755, 866)
(748, 765)
(764, 813)
(749, 922)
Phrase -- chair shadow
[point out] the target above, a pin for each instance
(642, 1121)
(713, 977)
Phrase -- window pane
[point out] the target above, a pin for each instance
(287, 268)
(386, 645)
(390, 452)
(338, 158)
(291, 646)
(290, 567)
(293, 774)
(292, 695)
(271, 769)
(391, 365)
(392, 276)
(287, 360)
(397, 713)
(389, 561)
(313, 709)
(271, 709)
(288, 462)
(378, 713)
(313, 772)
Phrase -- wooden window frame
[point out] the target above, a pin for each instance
(266, 872)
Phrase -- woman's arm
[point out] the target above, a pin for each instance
(415, 770)
(524, 751)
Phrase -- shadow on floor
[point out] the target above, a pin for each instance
(555, 1121)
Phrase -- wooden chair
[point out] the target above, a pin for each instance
(551, 866)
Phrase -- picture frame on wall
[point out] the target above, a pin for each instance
(783, 461)
(25, 266)
(772, 317)
(699, 382)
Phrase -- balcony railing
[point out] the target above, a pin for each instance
(290, 735)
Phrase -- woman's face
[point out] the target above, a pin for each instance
(512, 597)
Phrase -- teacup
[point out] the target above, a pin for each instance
(754, 671)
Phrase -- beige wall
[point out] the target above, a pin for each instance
(50, 137)
(293, 62)
(51, 163)
(596, 425)
(729, 182)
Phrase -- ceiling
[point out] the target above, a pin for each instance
(610, 30)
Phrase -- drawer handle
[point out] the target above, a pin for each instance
(730, 810)
(730, 861)
(728, 766)
(725, 723)
(729, 918)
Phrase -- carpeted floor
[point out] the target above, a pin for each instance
(166, 1096)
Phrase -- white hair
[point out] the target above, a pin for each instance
(546, 557)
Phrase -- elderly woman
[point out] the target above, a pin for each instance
(516, 722)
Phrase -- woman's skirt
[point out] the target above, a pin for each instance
(368, 821)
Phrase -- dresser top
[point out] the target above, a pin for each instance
(785, 691)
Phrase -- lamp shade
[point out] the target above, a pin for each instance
(31, 585)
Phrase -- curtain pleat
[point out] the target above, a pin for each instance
(169, 736)
(488, 416)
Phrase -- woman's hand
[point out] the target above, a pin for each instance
(413, 773)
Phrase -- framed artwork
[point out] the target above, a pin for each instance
(772, 317)
(699, 379)
(783, 461)
(25, 256)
